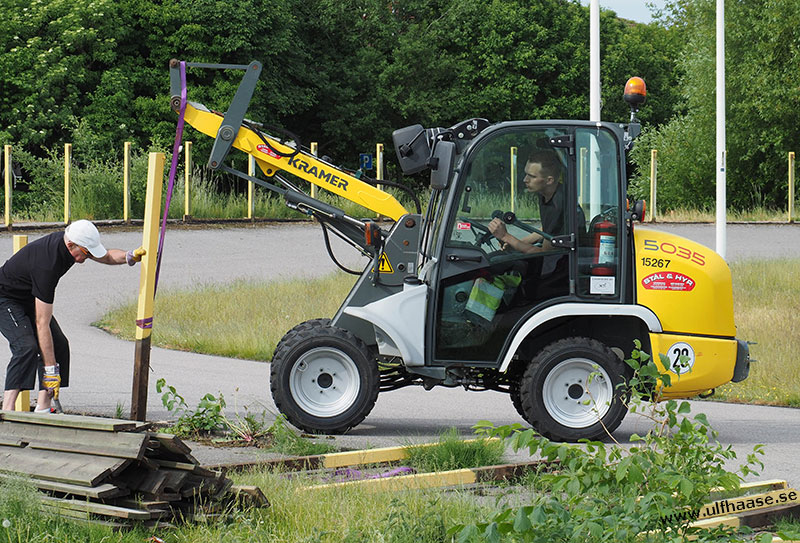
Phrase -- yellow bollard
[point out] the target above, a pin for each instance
(791, 187)
(513, 176)
(653, 180)
(314, 150)
(67, 168)
(251, 171)
(23, 402)
(126, 183)
(7, 159)
(147, 286)
(187, 173)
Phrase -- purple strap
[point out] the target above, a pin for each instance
(176, 150)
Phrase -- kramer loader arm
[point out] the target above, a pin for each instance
(272, 155)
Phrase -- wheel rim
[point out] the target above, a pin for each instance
(572, 397)
(324, 382)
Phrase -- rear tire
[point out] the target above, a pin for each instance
(323, 379)
(574, 389)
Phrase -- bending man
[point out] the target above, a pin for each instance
(28, 283)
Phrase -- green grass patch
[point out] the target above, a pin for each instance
(758, 214)
(765, 313)
(452, 452)
(243, 319)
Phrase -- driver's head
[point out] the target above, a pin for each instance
(542, 171)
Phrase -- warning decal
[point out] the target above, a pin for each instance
(385, 266)
(463, 225)
(676, 282)
(267, 151)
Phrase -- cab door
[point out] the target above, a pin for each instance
(483, 286)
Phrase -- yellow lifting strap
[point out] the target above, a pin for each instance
(303, 165)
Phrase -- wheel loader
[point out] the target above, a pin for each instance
(499, 285)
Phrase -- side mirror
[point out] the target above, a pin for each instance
(442, 164)
(412, 148)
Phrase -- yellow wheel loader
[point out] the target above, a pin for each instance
(525, 274)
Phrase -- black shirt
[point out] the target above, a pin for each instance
(34, 271)
(552, 212)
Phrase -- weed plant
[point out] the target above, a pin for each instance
(452, 452)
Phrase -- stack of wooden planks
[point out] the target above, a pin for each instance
(109, 470)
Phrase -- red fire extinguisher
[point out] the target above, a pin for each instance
(605, 248)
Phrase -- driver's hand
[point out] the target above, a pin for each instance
(498, 229)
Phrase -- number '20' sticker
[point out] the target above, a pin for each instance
(681, 358)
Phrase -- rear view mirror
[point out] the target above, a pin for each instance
(412, 147)
(442, 164)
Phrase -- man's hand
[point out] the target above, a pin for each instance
(52, 380)
(134, 256)
(498, 228)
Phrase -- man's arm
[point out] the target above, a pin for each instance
(44, 313)
(117, 256)
(498, 230)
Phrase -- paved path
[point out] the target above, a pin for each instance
(102, 364)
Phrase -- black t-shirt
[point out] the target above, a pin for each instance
(34, 271)
(552, 212)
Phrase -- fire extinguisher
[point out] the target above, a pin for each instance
(605, 248)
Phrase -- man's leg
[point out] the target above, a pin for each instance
(61, 350)
(21, 372)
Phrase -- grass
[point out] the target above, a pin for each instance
(759, 214)
(210, 319)
(351, 515)
(452, 452)
(765, 311)
(240, 319)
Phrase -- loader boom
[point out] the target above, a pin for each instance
(272, 156)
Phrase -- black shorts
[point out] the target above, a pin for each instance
(17, 324)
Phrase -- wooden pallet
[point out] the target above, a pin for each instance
(113, 471)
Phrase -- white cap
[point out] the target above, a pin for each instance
(85, 234)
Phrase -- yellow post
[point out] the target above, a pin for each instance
(514, 151)
(23, 402)
(7, 159)
(653, 182)
(126, 183)
(314, 149)
(791, 186)
(187, 172)
(147, 286)
(379, 167)
(67, 168)
(251, 171)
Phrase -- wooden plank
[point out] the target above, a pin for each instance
(151, 482)
(54, 438)
(10, 441)
(171, 448)
(101, 491)
(147, 505)
(72, 421)
(58, 466)
(251, 495)
(99, 508)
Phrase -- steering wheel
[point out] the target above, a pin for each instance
(483, 236)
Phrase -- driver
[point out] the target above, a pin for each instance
(543, 176)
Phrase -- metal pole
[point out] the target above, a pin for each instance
(513, 179)
(594, 60)
(23, 402)
(147, 287)
(791, 187)
(7, 158)
(653, 180)
(721, 174)
(187, 174)
(67, 168)
(251, 171)
(379, 168)
(126, 183)
(314, 149)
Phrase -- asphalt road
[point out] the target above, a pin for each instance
(102, 365)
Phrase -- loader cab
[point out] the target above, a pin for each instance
(556, 188)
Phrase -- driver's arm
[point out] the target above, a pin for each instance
(498, 230)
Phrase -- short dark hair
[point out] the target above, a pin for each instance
(551, 165)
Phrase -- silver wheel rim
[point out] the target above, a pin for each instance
(577, 393)
(324, 382)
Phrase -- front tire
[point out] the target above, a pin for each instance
(574, 389)
(323, 379)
